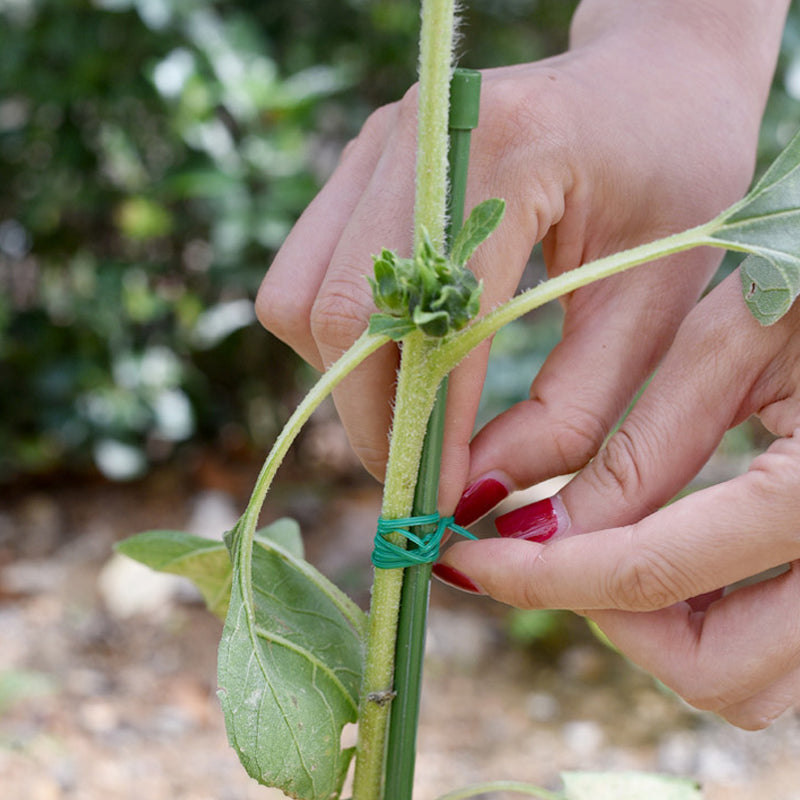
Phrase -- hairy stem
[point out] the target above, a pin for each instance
(363, 347)
(414, 401)
(451, 352)
(416, 391)
(436, 43)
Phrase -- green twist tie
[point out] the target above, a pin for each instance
(388, 555)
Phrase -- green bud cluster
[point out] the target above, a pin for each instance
(428, 292)
(431, 292)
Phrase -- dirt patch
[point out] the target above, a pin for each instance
(98, 706)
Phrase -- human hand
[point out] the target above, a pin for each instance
(588, 156)
(738, 654)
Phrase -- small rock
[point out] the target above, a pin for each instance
(98, 718)
(460, 639)
(584, 738)
(542, 706)
(717, 763)
(129, 588)
(213, 513)
(677, 754)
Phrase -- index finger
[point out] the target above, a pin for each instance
(702, 542)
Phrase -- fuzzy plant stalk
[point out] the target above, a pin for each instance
(465, 90)
(415, 396)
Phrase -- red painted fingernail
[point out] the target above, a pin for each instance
(702, 601)
(452, 577)
(478, 499)
(537, 522)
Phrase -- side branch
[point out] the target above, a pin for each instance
(448, 356)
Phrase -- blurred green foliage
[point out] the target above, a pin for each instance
(153, 155)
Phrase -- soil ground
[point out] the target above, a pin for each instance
(107, 681)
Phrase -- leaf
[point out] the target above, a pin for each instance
(286, 533)
(205, 562)
(765, 224)
(628, 786)
(769, 288)
(387, 325)
(289, 669)
(480, 224)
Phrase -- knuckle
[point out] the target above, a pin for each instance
(280, 314)
(751, 718)
(578, 439)
(643, 581)
(709, 693)
(523, 111)
(340, 313)
(373, 131)
(528, 125)
(372, 456)
(616, 468)
(520, 587)
(702, 685)
(529, 597)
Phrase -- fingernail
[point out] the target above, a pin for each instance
(478, 499)
(537, 522)
(701, 602)
(452, 577)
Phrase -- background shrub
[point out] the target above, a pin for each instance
(153, 156)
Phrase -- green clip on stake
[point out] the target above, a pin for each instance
(402, 739)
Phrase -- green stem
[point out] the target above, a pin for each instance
(411, 624)
(363, 347)
(414, 398)
(436, 46)
(452, 351)
(501, 786)
(412, 620)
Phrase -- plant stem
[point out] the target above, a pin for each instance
(436, 47)
(452, 351)
(412, 621)
(363, 347)
(414, 398)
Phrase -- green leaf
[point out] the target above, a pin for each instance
(628, 786)
(387, 325)
(431, 323)
(204, 561)
(284, 532)
(766, 224)
(289, 669)
(769, 287)
(480, 224)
